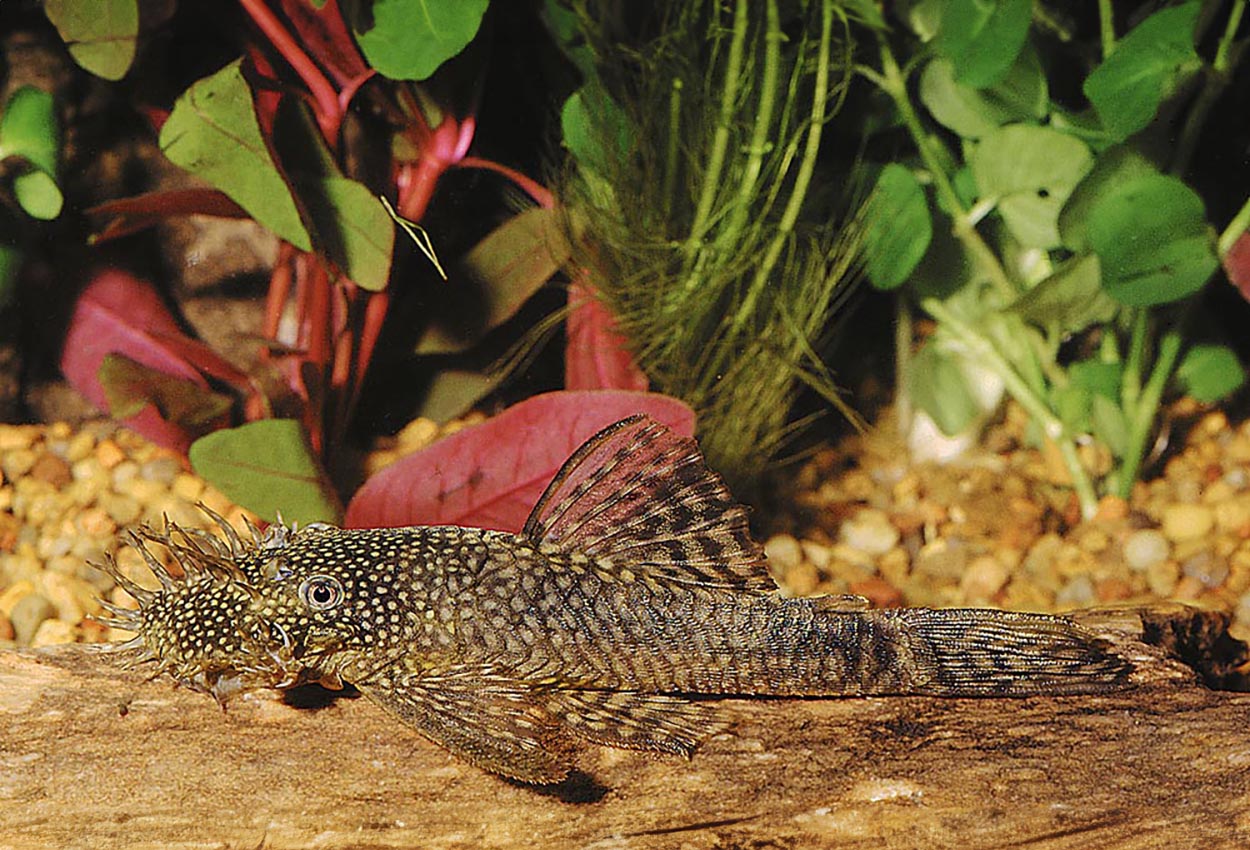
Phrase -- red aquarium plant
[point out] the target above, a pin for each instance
(270, 136)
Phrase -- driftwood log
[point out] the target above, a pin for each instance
(91, 756)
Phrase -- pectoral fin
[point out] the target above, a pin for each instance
(494, 722)
(634, 721)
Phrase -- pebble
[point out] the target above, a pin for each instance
(122, 509)
(1187, 522)
(1077, 593)
(985, 576)
(1162, 577)
(869, 531)
(944, 558)
(1145, 548)
(1206, 569)
(53, 632)
(31, 610)
(784, 552)
(51, 470)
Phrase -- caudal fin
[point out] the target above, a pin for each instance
(980, 652)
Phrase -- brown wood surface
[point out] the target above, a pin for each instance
(91, 756)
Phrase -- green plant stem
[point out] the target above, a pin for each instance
(1239, 225)
(674, 138)
(1106, 27)
(1020, 390)
(1221, 62)
(720, 141)
(758, 144)
(892, 82)
(1142, 418)
(1130, 388)
(902, 364)
(802, 179)
(1215, 81)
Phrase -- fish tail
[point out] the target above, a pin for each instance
(983, 652)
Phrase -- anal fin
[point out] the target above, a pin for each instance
(492, 721)
(635, 721)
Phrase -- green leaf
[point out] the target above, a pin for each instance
(1152, 237)
(267, 467)
(409, 39)
(1097, 377)
(352, 227)
(596, 130)
(565, 28)
(453, 391)
(1069, 300)
(500, 274)
(1021, 95)
(1031, 171)
(130, 386)
(897, 227)
(100, 34)
(1210, 373)
(1109, 424)
(1128, 87)
(1114, 166)
(29, 130)
(214, 134)
(937, 386)
(982, 38)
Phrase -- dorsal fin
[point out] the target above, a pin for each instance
(638, 496)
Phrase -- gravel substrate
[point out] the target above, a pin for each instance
(998, 528)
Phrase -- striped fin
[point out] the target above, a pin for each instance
(635, 721)
(490, 720)
(638, 496)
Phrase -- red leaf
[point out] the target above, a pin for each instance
(119, 314)
(1237, 264)
(129, 215)
(490, 475)
(595, 356)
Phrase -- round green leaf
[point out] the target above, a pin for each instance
(214, 134)
(937, 386)
(897, 227)
(38, 195)
(974, 113)
(1114, 166)
(268, 467)
(100, 34)
(1031, 171)
(1210, 373)
(1152, 237)
(1128, 87)
(409, 39)
(982, 38)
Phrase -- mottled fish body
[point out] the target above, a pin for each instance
(634, 590)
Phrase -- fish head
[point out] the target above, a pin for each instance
(232, 617)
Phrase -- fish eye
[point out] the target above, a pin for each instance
(321, 592)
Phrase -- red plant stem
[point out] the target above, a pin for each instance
(301, 302)
(279, 292)
(541, 194)
(329, 112)
(416, 182)
(376, 305)
(317, 319)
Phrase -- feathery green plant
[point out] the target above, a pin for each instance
(711, 237)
